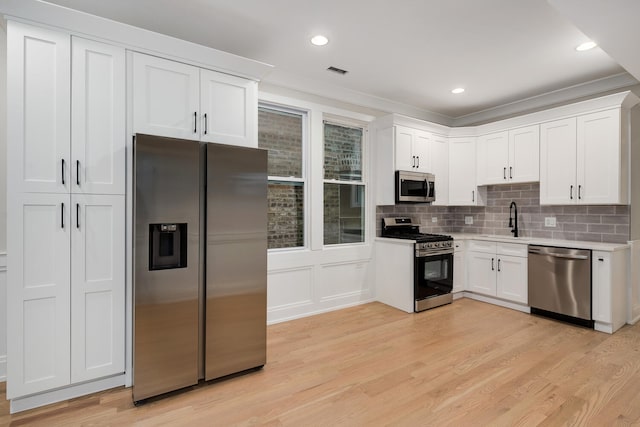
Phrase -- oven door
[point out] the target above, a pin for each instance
(433, 275)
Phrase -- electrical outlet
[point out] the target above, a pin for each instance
(549, 221)
(434, 219)
(468, 220)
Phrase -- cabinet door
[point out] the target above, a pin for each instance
(166, 97)
(97, 118)
(459, 271)
(39, 96)
(229, 109)
(97, 286)
(405, 160)
(601, 286)
(558, 162)
(512, 278)
(38, 318)
(599, 167)
(493, 158)
(481, 273)
(421, 149)
(440, 168)
(524, 154)
(462, 172)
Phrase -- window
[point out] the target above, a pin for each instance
(281, 131)
(344, 187)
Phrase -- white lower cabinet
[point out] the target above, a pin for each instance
(608, 290)
(498, 269)
(65, 310)
(97, 286)
(38, 319)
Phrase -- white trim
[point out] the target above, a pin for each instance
(3, 368)
(138, 39)
(323, 310)
(497, 301)
(36, 400)
(544, 101)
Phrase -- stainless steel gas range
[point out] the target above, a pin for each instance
(433, 262)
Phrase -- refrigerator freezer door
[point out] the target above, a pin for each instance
(236, 267)
(166, 327)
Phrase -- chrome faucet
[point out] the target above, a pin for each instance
(514, 229)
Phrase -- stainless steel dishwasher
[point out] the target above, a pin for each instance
(560, 283)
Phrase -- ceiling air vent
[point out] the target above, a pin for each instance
(337, 70)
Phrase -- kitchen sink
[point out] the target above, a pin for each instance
(504, 238)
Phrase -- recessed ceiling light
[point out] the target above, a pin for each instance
(586, 46)
(319, 40)
(457, 90)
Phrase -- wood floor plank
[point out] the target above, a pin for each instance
(467, 363)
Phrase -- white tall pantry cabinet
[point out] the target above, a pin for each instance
(66, 185)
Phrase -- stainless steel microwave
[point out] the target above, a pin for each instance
(415, 187)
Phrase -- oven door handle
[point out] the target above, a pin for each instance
(423, 254)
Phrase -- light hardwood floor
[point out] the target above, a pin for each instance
(468, 363)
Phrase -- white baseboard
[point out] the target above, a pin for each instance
(496, 301)
(313, 313)
(37, 400)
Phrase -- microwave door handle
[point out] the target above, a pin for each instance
(425, 188)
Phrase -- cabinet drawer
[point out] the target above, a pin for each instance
(458, 245)
(482, 246)
(513, 249)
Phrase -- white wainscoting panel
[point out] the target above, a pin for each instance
(307, 282)
(289, 288)
(344, 280)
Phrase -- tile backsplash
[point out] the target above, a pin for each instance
(607, 223)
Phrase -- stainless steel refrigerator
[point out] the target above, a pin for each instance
(200, 262)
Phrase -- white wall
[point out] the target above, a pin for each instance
(302, 282)
(3, 202)
(3, 138)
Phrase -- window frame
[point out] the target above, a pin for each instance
(304, 179)
(364, 180)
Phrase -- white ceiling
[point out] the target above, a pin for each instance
(405, 52)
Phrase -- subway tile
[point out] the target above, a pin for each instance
(541, 234)
(602, 228)
(564, 235)
(589, 237)
(575, 227)
(565, 218)
(615, 219)
(614, 238)
(575, 210)
(588, 219)
(623, 230)
(599, 210)
(622, 210)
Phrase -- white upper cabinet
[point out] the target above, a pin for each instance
(411, 149)
(229, 108)
(97, 286)
(97, 118)
(439, 155)
(39, 96)
(524, 154)
(462, 172)
(558, 162)
(182, 101)
(38, 317)
(166, 97)
(509, 156)
(599, 160)
(583, 160)
(493, 158)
